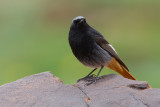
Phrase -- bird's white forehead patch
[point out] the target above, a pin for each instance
(78, 17)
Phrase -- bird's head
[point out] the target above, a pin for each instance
(79, 21)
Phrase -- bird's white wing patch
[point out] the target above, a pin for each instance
(112, 47)
(78, 17)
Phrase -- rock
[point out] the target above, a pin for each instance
(46, 90)
(40, 90)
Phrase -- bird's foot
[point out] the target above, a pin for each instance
(87, 77)
(92, 80)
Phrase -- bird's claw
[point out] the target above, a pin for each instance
(87, 77)
(92, 80)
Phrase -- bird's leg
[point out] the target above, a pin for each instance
(96, 78)
(89, 75)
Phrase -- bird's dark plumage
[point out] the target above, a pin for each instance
(92, 49)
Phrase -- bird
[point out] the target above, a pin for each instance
(91, 48)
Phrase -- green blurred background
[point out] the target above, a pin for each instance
(34, 36)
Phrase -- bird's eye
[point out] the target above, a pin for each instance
(84, 20)
(76, 21)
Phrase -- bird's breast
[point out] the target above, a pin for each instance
(89, 52)
(81, 45)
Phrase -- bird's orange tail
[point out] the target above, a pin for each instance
(116, 66)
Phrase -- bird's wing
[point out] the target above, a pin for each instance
(100, 40)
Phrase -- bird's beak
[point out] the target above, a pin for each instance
(81, 21)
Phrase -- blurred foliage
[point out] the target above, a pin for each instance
(34, 36)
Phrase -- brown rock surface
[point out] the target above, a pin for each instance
(46, 90)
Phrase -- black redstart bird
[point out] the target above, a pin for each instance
(93, 50)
